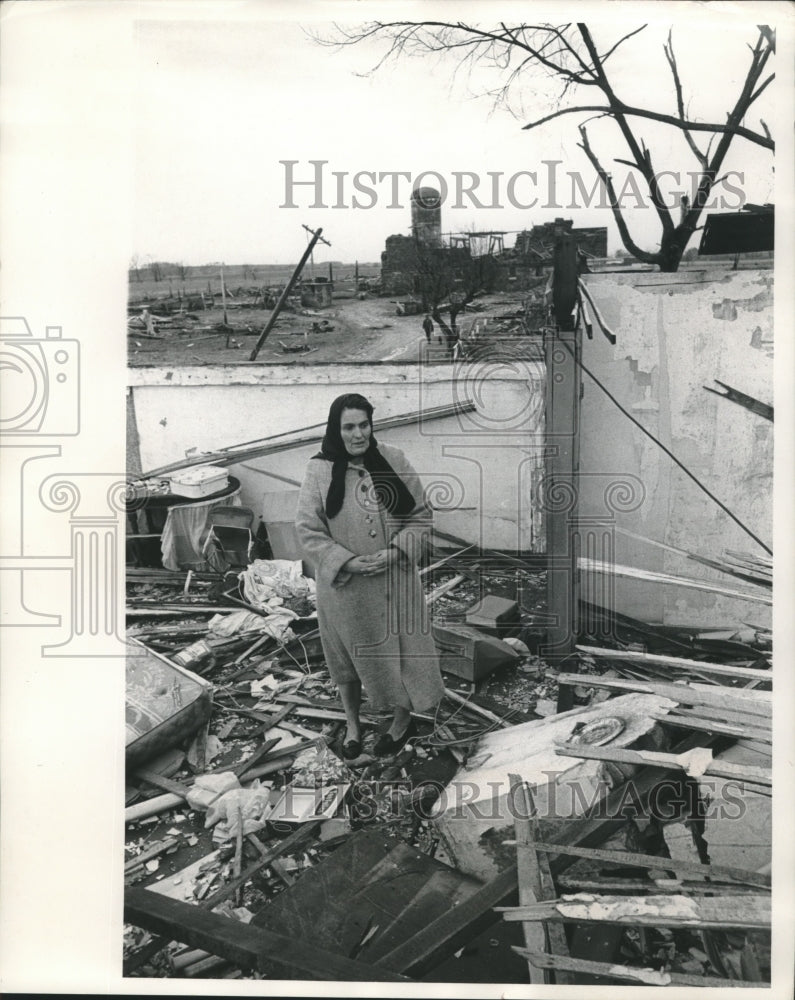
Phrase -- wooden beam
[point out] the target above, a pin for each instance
(470, 705)
(152, 852)
(251, 947)
(718, 669)
(651, 862)
(648, 977)
(685, 694)
(296, 839)
(633, 573)
(713, 726)
(702, 912)
(650, 758)
(297, 439)
(527, 872)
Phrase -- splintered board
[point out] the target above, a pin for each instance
(372, 894)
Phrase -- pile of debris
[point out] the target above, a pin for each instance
(505, 843)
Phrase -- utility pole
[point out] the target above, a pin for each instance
(223, 295)
(316, 235)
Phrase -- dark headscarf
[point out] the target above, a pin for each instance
(390, 490)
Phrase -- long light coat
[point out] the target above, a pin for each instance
(373, 628)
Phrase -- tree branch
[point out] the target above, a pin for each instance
(626, 239)
(633, 112)
(668, 49)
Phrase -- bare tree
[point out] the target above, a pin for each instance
(135, 267)
(570, 55)
(448, 279)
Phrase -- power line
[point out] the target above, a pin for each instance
(667, 451)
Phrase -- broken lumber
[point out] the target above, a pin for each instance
(444, 588)
(527, 874)
(691, 762)
(704, 912)
(760, 708)
(706, 725)
(648, 977)
(468, 703)
(456, 928)
(250, 947)
(151, 852)
(298, 438)
(533, 886)
(681, 867)
(721, 567)
(296, 839)
(632, 572)
(718, 669)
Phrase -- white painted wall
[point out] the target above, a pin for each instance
(676, 334)
(482, 468)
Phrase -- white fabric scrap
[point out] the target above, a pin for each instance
(697, 761)
(276, 624)
(266, 579)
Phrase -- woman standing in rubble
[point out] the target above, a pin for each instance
(361, 523)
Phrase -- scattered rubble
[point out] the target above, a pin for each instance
(248, 817)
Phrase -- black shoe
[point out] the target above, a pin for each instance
(388, 746)
(351, 749)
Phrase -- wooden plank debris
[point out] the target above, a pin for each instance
(686, 761)
(250, 947)
(714, 726)
(288, 440)
(759, 705)
(719, 670)
(633, 860)
(704, 912)
(151, 852)
(632, 572)
(527, 871)
(648, 977)
(470, 705)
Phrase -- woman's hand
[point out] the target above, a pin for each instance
(363, 566)
(382, 560)
(372, 565)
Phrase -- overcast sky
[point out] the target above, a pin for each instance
(222, 95)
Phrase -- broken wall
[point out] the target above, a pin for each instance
(481, 469)
(676, 334)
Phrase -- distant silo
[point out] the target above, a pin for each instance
(426, 216)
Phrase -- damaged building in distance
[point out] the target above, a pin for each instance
(407, 260)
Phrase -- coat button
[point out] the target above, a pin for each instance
(373, 533)
(369, 519)
(361, 473)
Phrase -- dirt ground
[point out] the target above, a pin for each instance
(361, 330)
